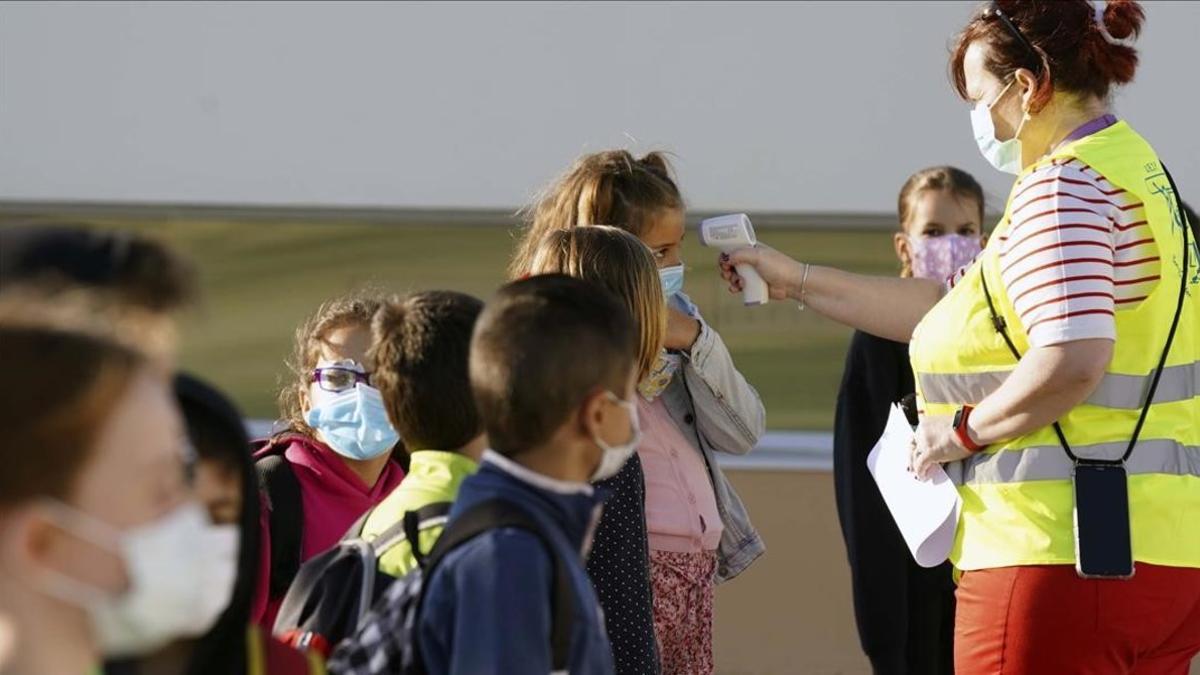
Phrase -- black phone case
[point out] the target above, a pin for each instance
(1102, 542)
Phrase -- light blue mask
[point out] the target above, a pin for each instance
(1003, 155)
(354, 423)
(672, 279)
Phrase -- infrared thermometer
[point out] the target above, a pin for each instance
(729, 233)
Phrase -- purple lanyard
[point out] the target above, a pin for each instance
(1088, 128)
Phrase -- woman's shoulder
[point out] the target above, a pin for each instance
(1065, 176)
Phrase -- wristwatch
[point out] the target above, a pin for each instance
(960, 429)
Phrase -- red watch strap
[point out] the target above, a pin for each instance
(960, 430)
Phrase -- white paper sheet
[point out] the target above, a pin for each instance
(925, 511)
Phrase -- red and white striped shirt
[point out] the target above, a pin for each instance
(1078, 249)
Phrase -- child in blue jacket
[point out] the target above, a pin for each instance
(553, 373)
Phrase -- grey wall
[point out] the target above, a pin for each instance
(772, 106)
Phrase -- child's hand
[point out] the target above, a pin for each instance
(682, 330)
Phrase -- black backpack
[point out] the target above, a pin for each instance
(386, 639)
(285, 511)
(285, 508)
(333, 591)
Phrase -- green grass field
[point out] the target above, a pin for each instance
(261, 278)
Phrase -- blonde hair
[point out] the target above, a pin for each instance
(353, 310)
(619, 262)
(611, 187)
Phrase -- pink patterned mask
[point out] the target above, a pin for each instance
(938, 258)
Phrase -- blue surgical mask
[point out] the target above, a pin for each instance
(354, 423)
(1003, 155)
(672, 279)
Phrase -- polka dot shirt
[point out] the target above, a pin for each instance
(619, 565)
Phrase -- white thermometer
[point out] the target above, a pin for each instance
(729, 233)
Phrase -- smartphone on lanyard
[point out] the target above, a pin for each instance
(1103, 549)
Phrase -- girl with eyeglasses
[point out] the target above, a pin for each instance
(332, 461)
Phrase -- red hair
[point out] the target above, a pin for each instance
(1070, 51)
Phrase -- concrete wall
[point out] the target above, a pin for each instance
(775, 106)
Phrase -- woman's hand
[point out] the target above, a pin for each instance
(781, 273)
(936, 443)
(682, 330)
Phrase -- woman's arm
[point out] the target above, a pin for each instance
(1046, 384)
(883, 306)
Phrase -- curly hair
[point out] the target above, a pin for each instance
(353, 310)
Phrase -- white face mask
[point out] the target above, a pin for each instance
(1004, 155)
(615, 456)
(181, 571)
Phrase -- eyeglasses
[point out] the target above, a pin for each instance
(338, 379)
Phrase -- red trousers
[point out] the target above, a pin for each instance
(1045, 620)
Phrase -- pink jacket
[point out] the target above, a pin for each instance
(333, 497)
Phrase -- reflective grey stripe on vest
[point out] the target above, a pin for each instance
(1124, 392)
(1051, 463)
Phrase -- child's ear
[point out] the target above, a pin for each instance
(591, 414)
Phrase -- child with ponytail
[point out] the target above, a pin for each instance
(693, 403)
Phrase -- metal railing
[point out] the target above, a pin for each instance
(776, 450)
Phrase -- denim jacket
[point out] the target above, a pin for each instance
(715, 408)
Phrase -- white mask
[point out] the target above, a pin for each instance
(1003, 155)
(181, 571)
(615, 456)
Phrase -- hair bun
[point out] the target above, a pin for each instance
(1119, 21)
(1111, 44)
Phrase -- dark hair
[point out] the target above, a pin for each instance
(418, 359)
(602, 188)
(137, 270)
(1060, 41)
(542, 346)
(214, 426)
(70, 384)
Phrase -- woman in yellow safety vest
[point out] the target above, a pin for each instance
(1058, 374)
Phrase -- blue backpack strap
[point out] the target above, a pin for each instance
(498, 513)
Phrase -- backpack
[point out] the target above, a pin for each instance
(386, 640)
(333, 591)
(285, 511)
(285, 508)
(267, 656)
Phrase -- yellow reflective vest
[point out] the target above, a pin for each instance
(1017, 495)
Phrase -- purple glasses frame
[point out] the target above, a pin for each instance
(318, 376)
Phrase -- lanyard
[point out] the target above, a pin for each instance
(1002, 329)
